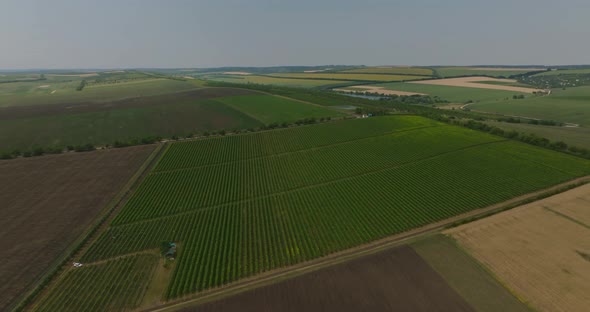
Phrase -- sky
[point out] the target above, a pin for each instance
(37, 34)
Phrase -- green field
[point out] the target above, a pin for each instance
(163, 116)
(478, 71)
(392, 70)
(244, 204)
(571, 105)
(453, 94)
(269, 109)
(574, 136)
(105, 127)
(467, 276)
(565, 72)
(36, 93)
(117, 285)
(349, 77)
(285, 82)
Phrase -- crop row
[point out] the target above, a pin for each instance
(117, 285)
(239, 147)
(222, 244)
(165, 193)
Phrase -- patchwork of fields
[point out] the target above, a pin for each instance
(48, 202)
(486, 71)
(245, 204)
(174, 114)
(349, 76)
(571, 105)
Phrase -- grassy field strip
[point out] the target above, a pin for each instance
(320, 147)
(410, 237)
(467, 276)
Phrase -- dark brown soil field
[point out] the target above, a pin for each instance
(394, 280)
(15, 112)
(47, 202)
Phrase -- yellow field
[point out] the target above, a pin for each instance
(541, 251)
(392, 70)
(349, 77)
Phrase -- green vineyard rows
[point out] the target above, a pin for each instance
(245, 204)
(117, 285)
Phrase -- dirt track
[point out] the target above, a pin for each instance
(48, 202)
(472, 82)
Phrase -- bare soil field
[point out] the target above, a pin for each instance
(48, 202)
(393, 280)
(376, 89)
(472, 82)
(541, 250)
(14, 112)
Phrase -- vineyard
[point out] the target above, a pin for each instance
(117, 285)
(244, 204)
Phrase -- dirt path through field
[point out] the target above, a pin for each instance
(281, 274)
(472, 82)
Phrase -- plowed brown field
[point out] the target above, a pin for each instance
(47, 202)
(394, 280)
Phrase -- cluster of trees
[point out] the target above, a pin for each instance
(81, 86)
(524, 137)
(531, 121)
(39, 151)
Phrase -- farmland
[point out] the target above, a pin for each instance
(269, 109)
(167, 115)
(450, 93)
(285, 82)
(96, 282)
(42, 92)
(348, 76)
(48, 202)
(482, 71)
(466, 276)
(418, 71)
(477, 82)
(397, 279)
(569, 106)
(539, 250)
(246, 204)
(576, 136)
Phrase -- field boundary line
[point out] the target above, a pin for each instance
(319, 147)
(280, 274)
(309, 186)
(89, 236)
(567, 217)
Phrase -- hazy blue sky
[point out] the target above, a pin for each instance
(207, 33)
